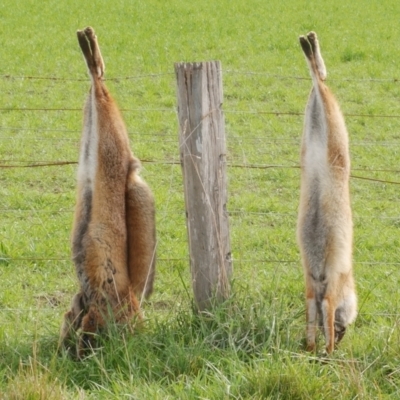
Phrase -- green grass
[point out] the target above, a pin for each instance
(252, 346)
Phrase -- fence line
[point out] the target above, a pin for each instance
(374, 180)
(307, 78)
(22, 109)
(172, 110)
(227, 71)
(294, 142)
(77, 131)
(52, 78)
(36, 164)
(295, 113)
(185, 259)
(268, 138)
(231, 212)
(53, 302)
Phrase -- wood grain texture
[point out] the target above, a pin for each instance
(203, 160)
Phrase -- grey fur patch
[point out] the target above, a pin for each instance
(78, 247)
(314, 235)
(316, 121)
(89, 119)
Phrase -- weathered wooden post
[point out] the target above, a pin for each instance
(203, 159)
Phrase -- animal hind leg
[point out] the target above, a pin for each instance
(91, 51)
(307, 50)
(319, 61)
(310, 47)
(328, 315)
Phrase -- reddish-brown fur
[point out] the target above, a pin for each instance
(113, 239)
(325, 223)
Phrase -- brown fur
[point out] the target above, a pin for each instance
(113, 238)
(325, 223)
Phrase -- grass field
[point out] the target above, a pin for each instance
(252, 346)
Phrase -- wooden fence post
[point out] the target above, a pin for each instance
(203, 160)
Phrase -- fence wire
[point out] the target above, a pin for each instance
(10, 163)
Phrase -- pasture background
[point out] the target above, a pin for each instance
(252, 346)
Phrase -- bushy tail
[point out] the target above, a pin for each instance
(140, 220)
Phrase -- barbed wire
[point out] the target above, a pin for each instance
(173, 110)
(54, 302)
(36, 164)
(23, 109)
(268, 138)
(185, 259)
(226, 71)
(231, 212)
(268, 135)
(53, 78)
(298, 113)
(308, 78)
